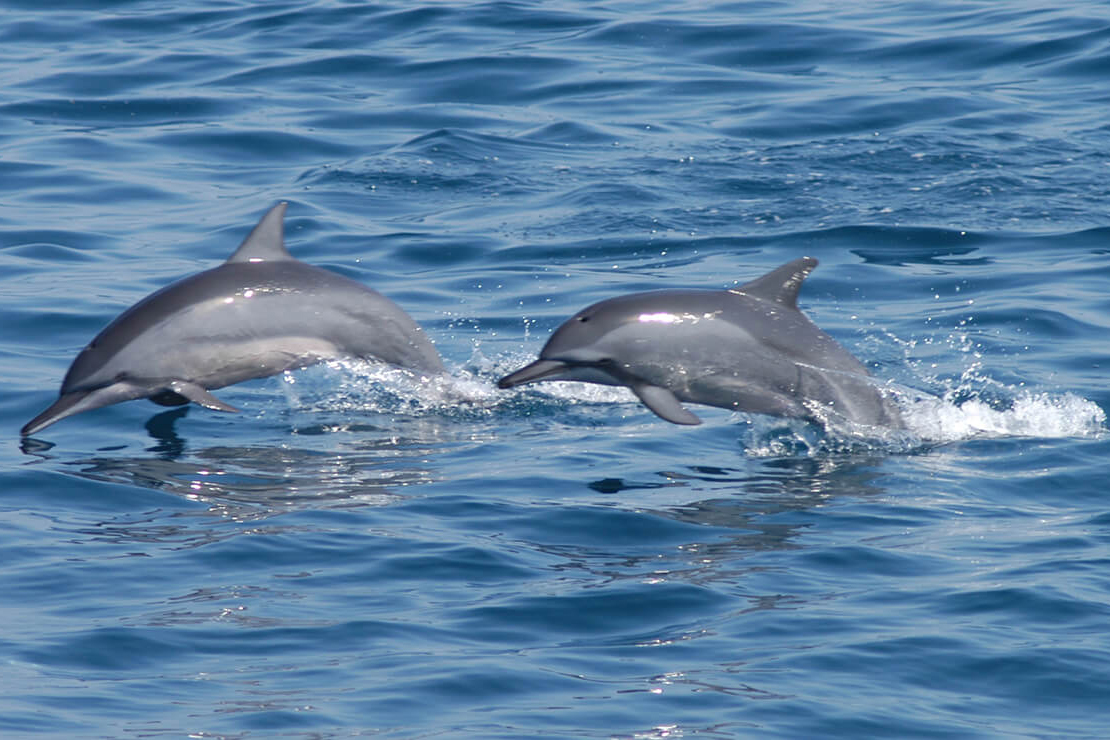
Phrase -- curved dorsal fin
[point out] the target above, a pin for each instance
(780, 285)
(266, 242)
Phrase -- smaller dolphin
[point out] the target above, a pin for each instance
(745, 349)
(260, 313)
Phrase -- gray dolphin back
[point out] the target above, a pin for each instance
(746, 349)
(259, 313)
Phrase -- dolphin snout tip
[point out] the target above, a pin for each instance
(538, 370)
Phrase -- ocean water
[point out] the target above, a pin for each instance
(360, 554)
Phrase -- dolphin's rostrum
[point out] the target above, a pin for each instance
(258, 314)
(746, 349)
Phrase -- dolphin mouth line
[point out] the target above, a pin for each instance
(536, 371)
(545, 368)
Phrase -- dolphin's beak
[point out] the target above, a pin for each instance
(538, 370)
(66, 405)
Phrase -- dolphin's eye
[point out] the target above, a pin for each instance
(583, 319)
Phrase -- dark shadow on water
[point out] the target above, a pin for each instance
(161, 427)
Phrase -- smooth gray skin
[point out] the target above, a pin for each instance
(745, 349)
(260, 313)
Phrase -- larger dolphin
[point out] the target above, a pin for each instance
(745, 349)
(259, 313)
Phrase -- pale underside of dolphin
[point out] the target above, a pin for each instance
(746, 349)
(260, 313)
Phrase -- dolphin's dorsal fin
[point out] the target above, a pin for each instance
(782, 284)
(266, 242)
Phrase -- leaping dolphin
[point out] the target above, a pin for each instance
(746, 349)
(258, 314)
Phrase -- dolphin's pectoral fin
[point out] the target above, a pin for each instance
(664, 404)
(199, 395)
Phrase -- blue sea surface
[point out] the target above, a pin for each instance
(360, 553)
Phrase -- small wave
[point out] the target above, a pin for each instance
(1028, 414)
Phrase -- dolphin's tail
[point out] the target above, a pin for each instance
(67, 405)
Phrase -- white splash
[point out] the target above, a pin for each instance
(961, 412)
(1029, 414)
(379, 388)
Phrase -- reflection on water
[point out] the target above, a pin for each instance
(162, 428)
(250, 482)
(745, 512)
(267, 480)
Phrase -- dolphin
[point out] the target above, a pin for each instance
(258, 314)
(748, 348)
